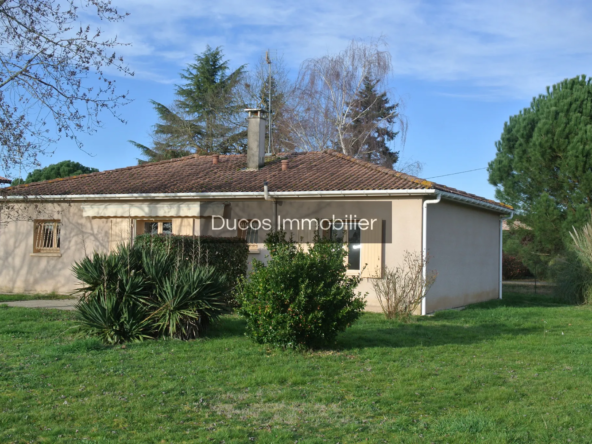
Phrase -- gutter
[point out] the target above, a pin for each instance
(501, 252)
(475, 202)
(424, 234)
(251, 194)
(276, 194)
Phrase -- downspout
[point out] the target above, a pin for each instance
(266, 196)
(424, 271)
(501, 252)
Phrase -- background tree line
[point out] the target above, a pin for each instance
(339, 101)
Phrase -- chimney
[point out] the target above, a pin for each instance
(256, 138)
(285, 165)
(215, 159)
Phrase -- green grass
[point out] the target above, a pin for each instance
(31, 297)
(516, 371)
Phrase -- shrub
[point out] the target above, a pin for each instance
(185, 303)
(514, 268)
(112, 319)
(402, 289)
(133, 294)
(228, 255)
(300, 299)
(573, 280)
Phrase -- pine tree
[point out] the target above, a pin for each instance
(58, 170)
(543, 167)
(206, 115)
(372, 131)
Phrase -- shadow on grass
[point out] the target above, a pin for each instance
(521, 300)
(424, 335)
(468, 326)
(228, 327)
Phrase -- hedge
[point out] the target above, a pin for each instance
(227, 254)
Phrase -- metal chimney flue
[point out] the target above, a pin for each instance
(256, 138)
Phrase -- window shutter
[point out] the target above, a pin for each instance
(372, 251)
(183, 227)
(121, 233)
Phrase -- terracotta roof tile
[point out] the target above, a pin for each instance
(314, 171)
(4, 180)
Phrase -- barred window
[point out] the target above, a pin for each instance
(46, 237)
(247, 232)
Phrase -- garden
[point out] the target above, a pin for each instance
(166, 348)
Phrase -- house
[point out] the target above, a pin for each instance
(380, 214)
(4, 181)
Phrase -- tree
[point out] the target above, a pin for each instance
(373, 130)
(67, 168)
(543, 167)
(52, 80)
(206, 115)
(256, 93)
(326, 106)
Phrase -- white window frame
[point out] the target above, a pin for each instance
(328, 233)
(155, 221)
(249, 234)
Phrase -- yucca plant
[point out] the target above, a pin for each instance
(102, 274)
(188, 301)
(112, 319)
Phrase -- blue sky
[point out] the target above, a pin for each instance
(461, 68)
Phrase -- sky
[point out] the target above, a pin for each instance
(461, 68)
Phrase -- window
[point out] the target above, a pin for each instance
(155, 227)
(46, 236)
(349, 233)
(248, 232)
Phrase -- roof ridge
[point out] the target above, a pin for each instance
(133, 167)
(423, 182)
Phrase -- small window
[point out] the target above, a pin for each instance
(349, 233)
(155, 227)
(246, 231)
(46, 236)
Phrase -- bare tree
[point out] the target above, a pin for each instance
(402, 289)
(52, 74)
(256, 93)
(325, 107)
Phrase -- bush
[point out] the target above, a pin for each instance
(300, 299)
(228, 255)
(402, 289)
(134, 293)
(573, 280)
(514, 268)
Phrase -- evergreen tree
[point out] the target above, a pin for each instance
(59, 170)
(372, 130)
(206, 115)
(543, 167)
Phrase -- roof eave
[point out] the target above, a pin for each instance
(225, 195)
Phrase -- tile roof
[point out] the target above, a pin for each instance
(4, 180)
(314, 171)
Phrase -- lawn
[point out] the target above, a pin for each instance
(517, 370)
(31, 297)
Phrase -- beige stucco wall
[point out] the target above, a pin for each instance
(20, 271)
(463, 243)
(403, 231)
